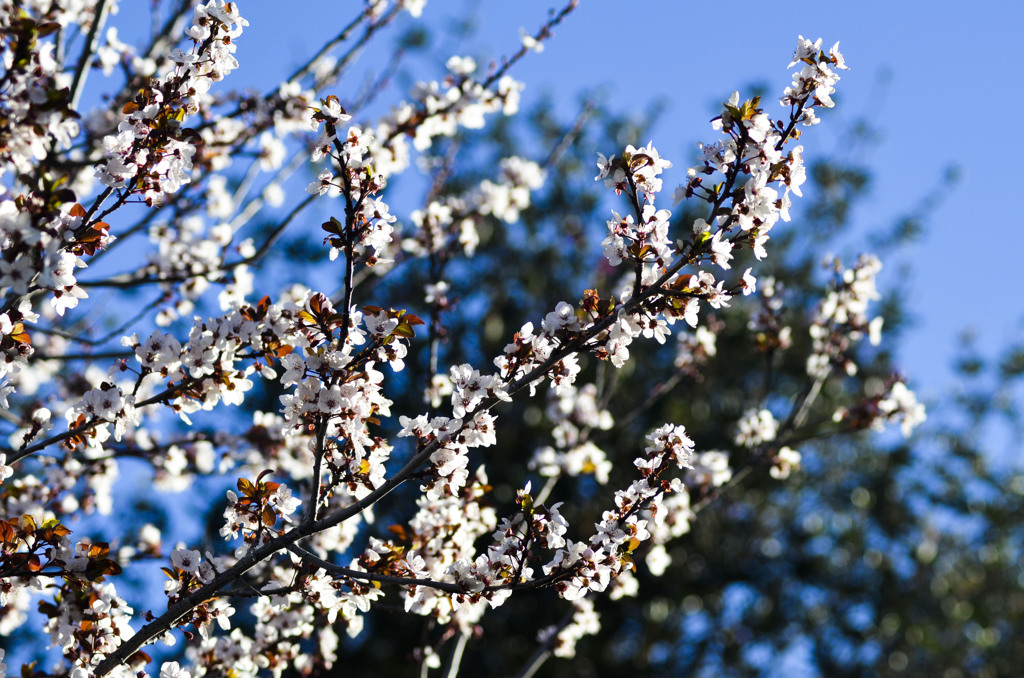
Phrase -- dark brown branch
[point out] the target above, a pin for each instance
(88, 49)
(339, 571)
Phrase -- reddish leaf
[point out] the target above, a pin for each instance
(19, 335)
(246, 487)
(104, 567)
(7, 532)
(404, 330)
(27, 524)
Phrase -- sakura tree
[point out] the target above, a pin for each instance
(317, 399)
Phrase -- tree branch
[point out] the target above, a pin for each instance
(88, 49)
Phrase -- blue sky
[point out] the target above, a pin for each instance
(951, 98)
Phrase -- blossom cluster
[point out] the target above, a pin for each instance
(439, 109)
(584, 622)
(842, 319)
(576, 416)
(451, 438)
(151, 153)
(891, 401)
(582, 567)
(440, 534)
(38, 113)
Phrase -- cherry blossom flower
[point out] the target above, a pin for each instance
(186, 560)
(756, 427)
(173, 670)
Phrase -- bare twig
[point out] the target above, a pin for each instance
(88, 49)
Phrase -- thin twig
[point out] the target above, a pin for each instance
(455, 659)
(338, 570)
(544, 652)
(88, 49)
